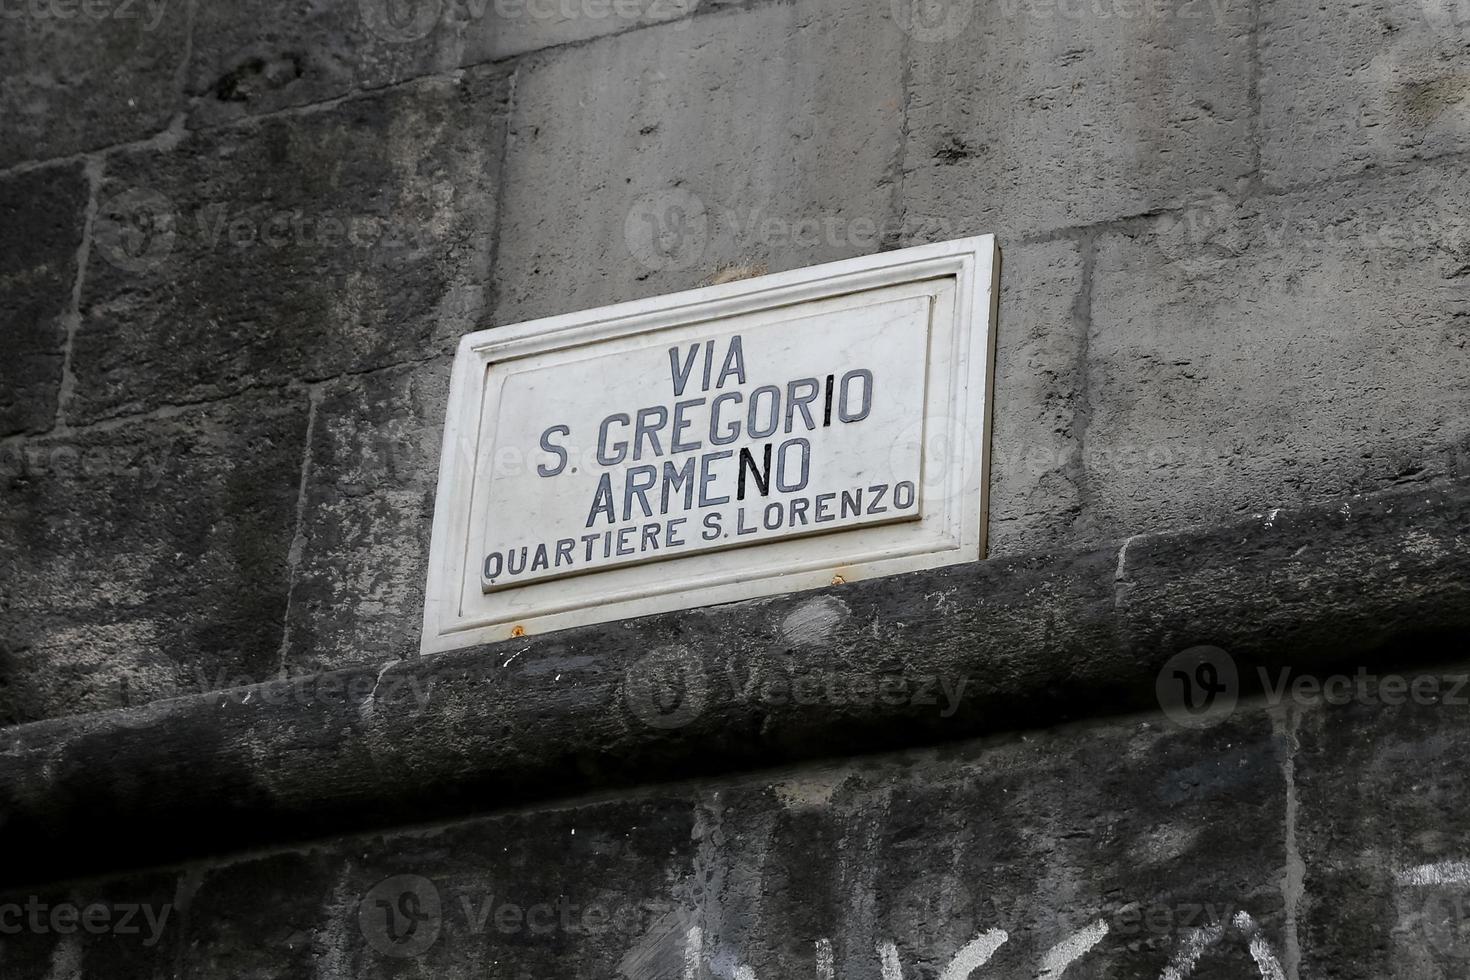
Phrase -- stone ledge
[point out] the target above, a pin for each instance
(907, 660)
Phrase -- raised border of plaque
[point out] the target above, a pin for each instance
(925, 316)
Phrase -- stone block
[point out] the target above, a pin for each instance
(1035, 454)
(127, 927)
(1381, 823)
(252, 58)
(1033, 115)
(1246, 357)
(568, 892)
(738, 142)
(1119, 848)
(303, 247)
(148, 559)
(359, 588)
(1348, 89)
(81, 76)
(42, 216)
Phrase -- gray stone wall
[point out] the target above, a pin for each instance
(1296, 837)
(237, 244)
(239, 239)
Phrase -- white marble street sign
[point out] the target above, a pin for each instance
(763, 436)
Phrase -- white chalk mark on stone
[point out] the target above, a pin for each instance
(1265, 958)
(1061, 956)
(824, 959)
(724, 964)
(974, 954)
(1261, 950)
(1121, 572)
(693, 952)
(944, 600)
(812, 623)
(1194, 943)
(1442, 873)
(888, 957)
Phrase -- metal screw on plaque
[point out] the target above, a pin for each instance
(667, 230)
(666, 688)
(401, 21)
(401, 916)
(1198, 687)
(929, 21)
(134, 230)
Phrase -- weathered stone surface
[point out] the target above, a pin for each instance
(872, 665)
(125, 928)
(1381, 825)
(1256, 588)
(566, 892)
(257, 58)
(1246, 358)
(801, 171)
(311, 244)
(264, 917)
(148, 559)
(249, 58)
(42, 216)
(1115, 840)
(1034, 115)
(1150, 830)
(1367, 85)
(359, 588)
(81, 76)
(1039, 367)
(1205, 361)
